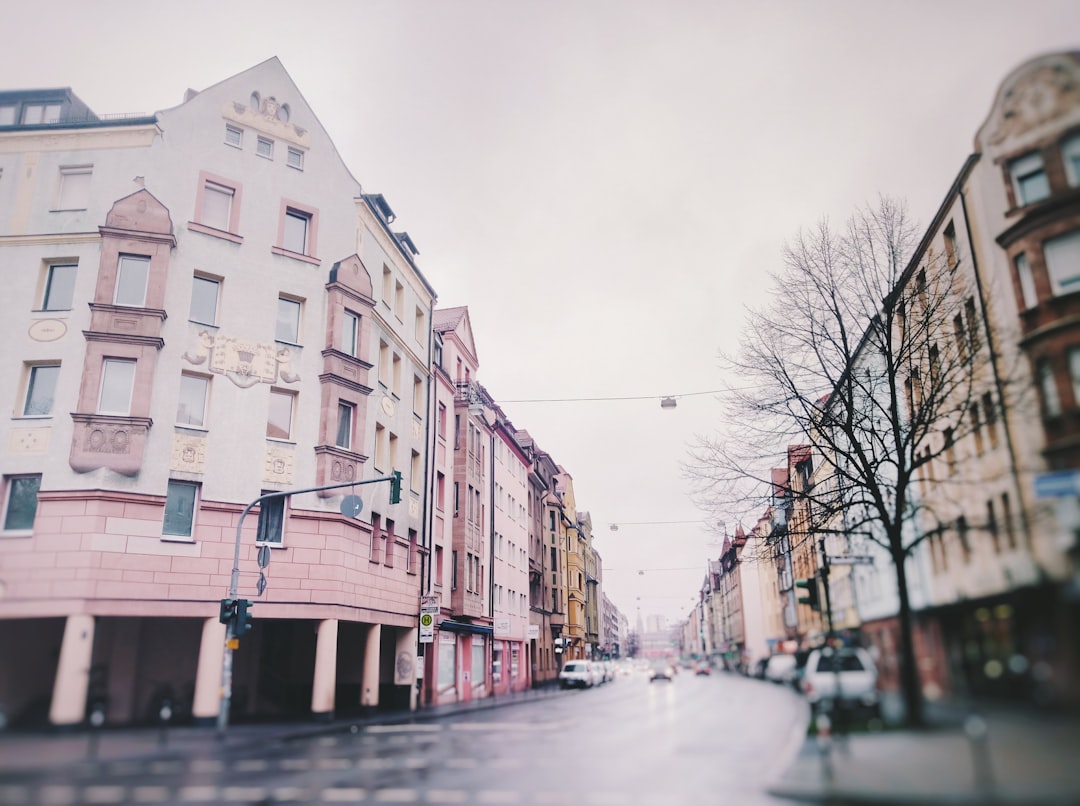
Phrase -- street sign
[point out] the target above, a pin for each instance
(264, 556)
(429, 611)
(1061, 484)
(851, 559)
(260, 586)
(351, 506)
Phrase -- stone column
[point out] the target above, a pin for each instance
(73, 672)
(207, 700)
(325, 682)
(369, 682)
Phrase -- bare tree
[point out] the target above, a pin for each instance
(871, 354)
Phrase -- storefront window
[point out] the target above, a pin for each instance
(447, 663)
(479, 667)
(514, 662)
(496, 664)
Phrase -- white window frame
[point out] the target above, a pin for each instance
(73, 191)
(31, 375)
(294, 158)
(9, 485)
(1048, 384)
(1023, 169)
(264, 147)
(297, 325)
(290, 233)
(346, 423)
(281, 395)
(173, 532)
(123, 263)
(234, 133)
(217, 205)
(196, 316)
(265, 508)
(50, 272)
(350, 334)
(193, 381)
(109, 369)
(1070, 155)
(44, 110)
(1027, 282)
(1065, 250)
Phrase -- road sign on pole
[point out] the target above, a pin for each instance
(851, 559)
(429, 611)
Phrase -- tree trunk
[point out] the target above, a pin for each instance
(910, 688)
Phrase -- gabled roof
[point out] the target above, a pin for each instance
(456, 321)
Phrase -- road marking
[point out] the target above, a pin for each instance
(607, 798)
(57, 795)
(509, 727)
(245, 793)
(333, 764)
(555, 797)
(292, 793)
(296, 764)
(166, 767)
(251, 765)
(403, 728)
(343, 795)
(374, 763)
(415, 763)
(207, 765)
(14, 794)
(103, 794)
(462, 763)
(446, 796)
(199, 794)
(491, 796)
(150, 794)
(397, 795)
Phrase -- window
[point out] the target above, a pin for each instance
(1029, 179)
(179, 509)
(394, 452)
(419, 329)
(191, 404)
(204, 300)
(74, 191)
(399, 301)
(271, 520)
(417, 396)
(962, 533)
(1048, 384)
(950, 450)
(960, 333)
(7, 115)
(410, 560)
(1027, 282)
(972, 325)
(21, 505)
(416, 474)
(442, 420)
(397, 375)
(216, 207)
(234, 136)
(453, 570)
(951, 250)
(264, 148)
(295, 237)
(990, 415)
(457, 498)
(346, 412)
(288, 321)
(387, 283)
(59, 287)
(350, 334)
(295, 158)
(384, 363)
(1062, 257)
(992, 527)
(117, 381)
(1006, 515)
(438, 565)
(388, 544)
(440, 490)
(1074, 373)
(131, 277)
(41, 113)
(280, 417)
(41, 390)
(1070, 155)
(382, 447)
(375, 551)
(976, 428)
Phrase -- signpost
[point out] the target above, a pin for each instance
(851, 559)
(429, 611)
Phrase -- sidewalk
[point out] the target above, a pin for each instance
(1025, 757)
(38, 752)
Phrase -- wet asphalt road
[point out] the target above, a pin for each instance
(694, 740)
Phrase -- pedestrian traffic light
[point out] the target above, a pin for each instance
(228, 610)
(243, 617)
(395, 487)
(811, 597)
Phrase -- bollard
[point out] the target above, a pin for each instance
(97, 721)
(976, 730)
(164, 715)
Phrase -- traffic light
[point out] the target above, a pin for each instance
(243, 617)
(395, 487)
(811, 597)
(228, 611)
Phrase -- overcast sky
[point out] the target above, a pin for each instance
(604, 184)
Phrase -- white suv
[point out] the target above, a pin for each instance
(846, 674)
(577, 674)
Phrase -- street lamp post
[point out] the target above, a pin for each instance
(232, 639)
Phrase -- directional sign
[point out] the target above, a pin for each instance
(1060, 484)
(850, 559)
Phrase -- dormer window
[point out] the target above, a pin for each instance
(1030, 183)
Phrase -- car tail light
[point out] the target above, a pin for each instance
(807, 686)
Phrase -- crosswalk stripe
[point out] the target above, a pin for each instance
(251, 765)
(397, 795)
(446, 796)
(103, 794)
(333, 764)
(210, 765)
(150, 794)
(419, 728)
(245, 793)
(294, 793)
(57, 795)
(343, 795)
(294, 764)
(491, 796)
(199, 794)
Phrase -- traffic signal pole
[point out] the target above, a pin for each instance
(233, 628)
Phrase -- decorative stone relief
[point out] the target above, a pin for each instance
(416, 430)
(414, 508)
(1044, 93)
(108, 441)
(188, 454)
(29, 440)
(404, 669)
(47, 329)
(243, 362)
(388, 405)
(278, 465)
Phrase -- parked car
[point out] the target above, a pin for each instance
(703, 668)
(661, 671)
(577, 674)
(847, 674)
(780, 668)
